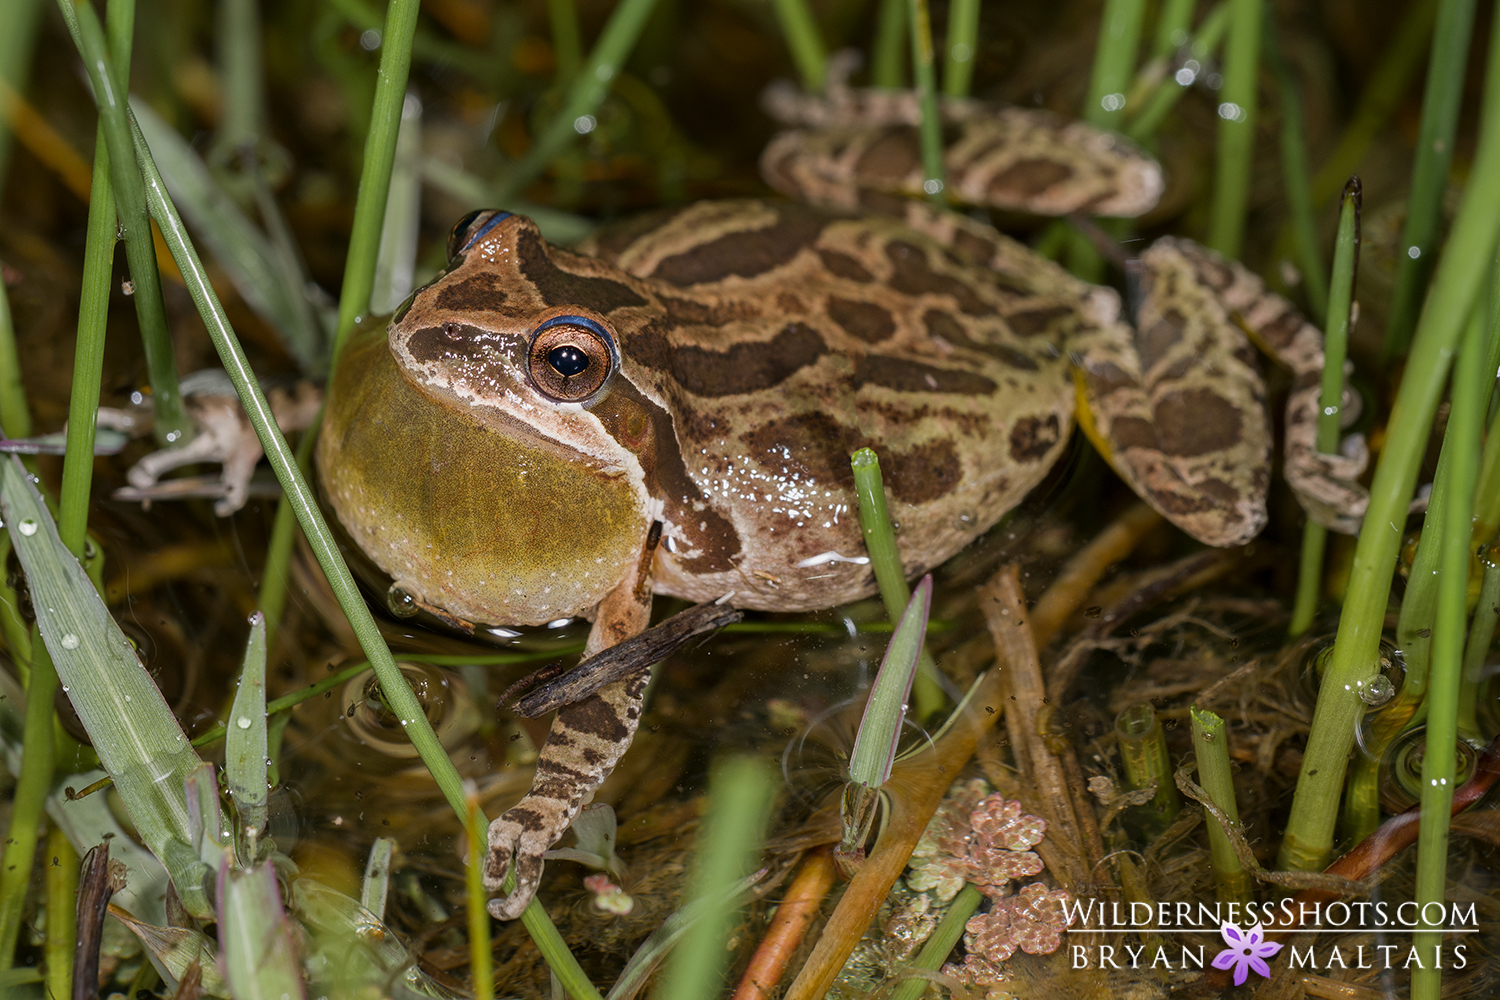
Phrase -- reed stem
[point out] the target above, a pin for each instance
(1237, 110)
(963, 47)
(1216, 774)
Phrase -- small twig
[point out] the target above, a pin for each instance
(99, 880)
(794, 915)
(621, 660)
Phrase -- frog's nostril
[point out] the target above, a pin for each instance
(452, 332)
(567, 360)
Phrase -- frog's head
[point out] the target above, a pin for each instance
(485, 459)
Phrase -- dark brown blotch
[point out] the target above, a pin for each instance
(813, 445)
(748, 252)
(1031, 438)
(1038, 320)
(1196, 421)
(924, 473)
(912, 274)
(845, 266)
(1156, 339)
(905, 375)
(745, 367)
(889, 159)
(1025, 179)
(596, 717)
(863, 320)
(445, 343)
(714, 313)
(480, 292)
(558, 287)
(940, 325)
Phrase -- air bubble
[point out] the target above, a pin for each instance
(400, 603)
(1377, 690)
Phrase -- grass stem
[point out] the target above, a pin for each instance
(567, 39)
(1115, 54)
(936, 949)
(1335, 348)
(888, 59)
(1237, 109)
(1429, 177)
(481, 962)
(1174, 26)
(1462, 266)
(1294, 174)
(931, 129)
(1216, 774)
(802, 37)
(963, 47)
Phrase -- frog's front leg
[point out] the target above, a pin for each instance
(586, 741)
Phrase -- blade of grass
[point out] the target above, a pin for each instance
(375, 886)
(1236, 152)
(62, 916)
(1211, 748)
(888, 60)
(1173, 27)
(890, 578)
(584, 96)
(19, 20)
(395, 265)
(800, 29)
(398, 693)
(1472, 384)
(935, 949)
(481, 962)
(258, 945)
(1335, 347)
(1462, 265)
(132, 729)
(240, 53)
(375, 173)
(108, 74)
(739, 799)
(1114, 61)
(29, 797)
(15, 415)
(252, 261)
(567, 40)
(963, 46)
(885, 712)
(1294, 173)
(1201, 47)
(930, 131)
(245, 742)
(1429, 177)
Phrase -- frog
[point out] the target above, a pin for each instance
(542, 433)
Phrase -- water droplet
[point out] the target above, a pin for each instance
(28, 526)
(70, 641)
(1377, 690)
(127, 697)
(401, 604)
(243, 722)
(66, 689)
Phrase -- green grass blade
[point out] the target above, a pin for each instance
(481, 962)
(1160, 102)
(1114, 62)
(258, 945)
(655, 948)
(108, 68)
(1211, 748)
(247, 256)
(245, 743)
(133, 730)
(1173, 27)
(888, 62)
(800, 29)
(567, 40)
(240, 53)
(739, 799)
(1462, 265)
(1294, 172)
(375, 174)
(1472, 382)
(15, 414)
(963, 46)
(396, 264)
(1237, 108)
(19, 21)
(584, 96)
(885, 712)
(1429, 177)
(931, 129)
(935, 949)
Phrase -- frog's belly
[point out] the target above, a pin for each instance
(800, 544)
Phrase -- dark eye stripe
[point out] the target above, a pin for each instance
(494, 221)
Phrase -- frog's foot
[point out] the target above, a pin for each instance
(223, 435)
(586, 741)
(1326, 485)
(1180, 412)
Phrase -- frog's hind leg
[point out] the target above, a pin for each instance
(587, 739)
(1326, 485)
(1178, 407)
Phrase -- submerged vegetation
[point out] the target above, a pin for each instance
(235, 752)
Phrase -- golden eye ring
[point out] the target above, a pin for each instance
(570, 358)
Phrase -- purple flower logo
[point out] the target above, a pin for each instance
(1247, 950)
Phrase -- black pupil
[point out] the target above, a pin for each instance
(568, 360)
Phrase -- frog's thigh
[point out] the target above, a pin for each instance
(586, 741)
(1179, 408)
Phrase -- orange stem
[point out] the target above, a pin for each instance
(793, 917)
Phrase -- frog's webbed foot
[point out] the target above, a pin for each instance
(1180, 413)
(587, 739)
(223, 435)
(1326, 485)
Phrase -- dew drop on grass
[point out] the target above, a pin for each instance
(243, 722)
(28, 526)
(70, 641)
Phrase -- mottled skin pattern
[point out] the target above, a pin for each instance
(740, 351)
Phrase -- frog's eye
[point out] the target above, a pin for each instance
(471, 227)
(570, 358)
